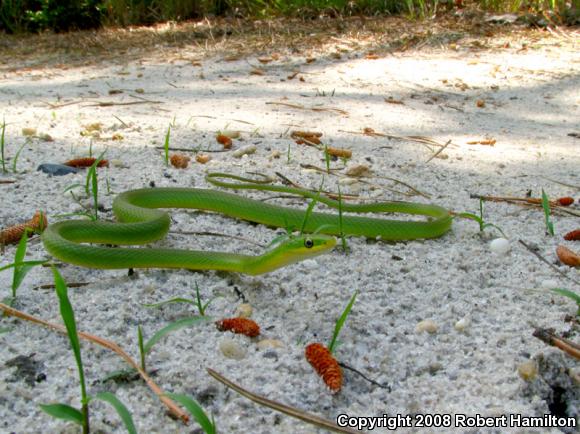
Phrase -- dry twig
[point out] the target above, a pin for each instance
(174, 410)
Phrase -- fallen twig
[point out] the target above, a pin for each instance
(315, 109)
(550, 338)
(439, 151)
(282, 408)
(541, 258)
(174, 410)
(192, 150)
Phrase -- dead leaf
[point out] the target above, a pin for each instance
(567, 256)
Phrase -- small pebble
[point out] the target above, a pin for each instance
(462, 324)
(28, 132)
(499, 246)
(427, 325)
(347, 181)
(246, 150)
(117, 163)
(56, 169)
(231, 349)
(202, 158)
(270, 343)
(244, 310)
(574, 374)
(311, 264)
(528, 370)
(358, 170)
(549, 284)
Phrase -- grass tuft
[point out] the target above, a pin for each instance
(547, 211)
(340, 322)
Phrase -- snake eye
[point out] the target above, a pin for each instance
(308, 243)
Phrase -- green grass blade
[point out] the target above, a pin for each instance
(340, 222)
(141, 347)
(310, 208)
(546, 206)
(63, 411)
(166, 145)
(185, 322)
(122, 410)
(341, 321)
(17, 264)
(571, 295)
(196, 411)
(15, 160)
(3, 158)
(170, 301)
(20, 271)
(68, 317)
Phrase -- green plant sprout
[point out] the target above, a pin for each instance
(94, 190)
(15, 160)
(327, 158)
(2, 143)
(288, 154)
(310, 208)
(340, 322)
(201, 307)
(2, 150)
(480, 220)
(571, 295)
(65, 411)
(340, 221)
(141, 347)
(20, 266)
(546, 206)
(196, 411)
(166, 145)
(91, 187)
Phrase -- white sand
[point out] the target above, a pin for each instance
(532, 102)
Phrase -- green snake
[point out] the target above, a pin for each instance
(140, 222)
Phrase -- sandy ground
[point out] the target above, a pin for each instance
(522, 93)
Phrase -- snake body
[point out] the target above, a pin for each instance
(140, 222)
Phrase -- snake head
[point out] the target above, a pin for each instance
(293, 249)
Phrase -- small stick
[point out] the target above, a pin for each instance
(174, 410)
(541, 258)
(69, 285)
(552, 339)
(7, 181)
(439, 151)
(192, 150)
(356, 371)
(290, 411)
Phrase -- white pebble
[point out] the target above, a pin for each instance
(347, 181)
(427, 325)
(246, 150)
(549, 284)
(462, 324)
(244, 310)
(311, 264)
(231, 349)
(499, 246)
(266, 344)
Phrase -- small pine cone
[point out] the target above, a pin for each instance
(573, 236)
(224, 140)
(565, 201)
(180, 161)
(13, 234)
(244, 326)
(86, 162)
(325, 365)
